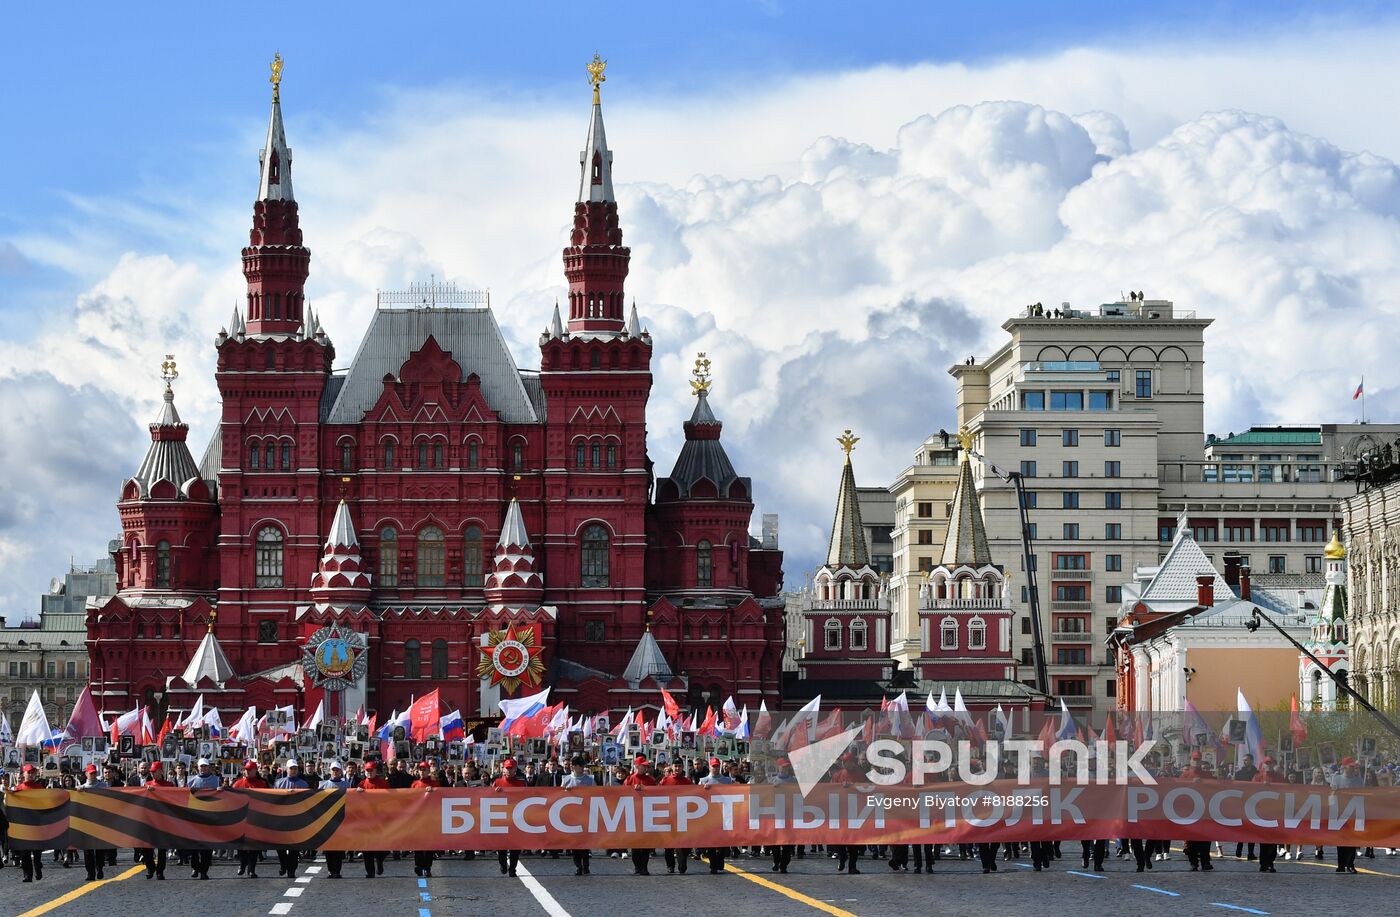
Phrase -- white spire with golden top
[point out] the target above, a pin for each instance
(275, 159)
(595, 162)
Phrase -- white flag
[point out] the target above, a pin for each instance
(319, 716)
(6, 737)
(34, 728)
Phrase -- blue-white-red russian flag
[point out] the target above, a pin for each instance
(1359, 389)
(514, 708)
(452, 727)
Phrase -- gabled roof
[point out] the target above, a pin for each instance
(647, 661)
(848, 547)
(209, 662)
(966, 541)
(1175, 579)
(471, 336)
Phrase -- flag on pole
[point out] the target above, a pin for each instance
(6, 737)
(1067, 728)
(214, 722)
(1360, 390)
(319, 716)
(126, 724)
(673, 709)
(515, 707)
(1253, 734)
(84, 721)
(1296, 724)
(741, 730)
(424, 715)
(452, 727)
(34, 728)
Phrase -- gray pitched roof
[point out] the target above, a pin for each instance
(848, 547)
(597, 143)
(471, 336)
(702, 457)
(1175, 579)
(966, 541)
(647, 661)
(513, 529)
(275, 146)
(168, 459)
(209, 662)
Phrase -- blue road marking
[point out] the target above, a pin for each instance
(1160, 891)
(1022, 865)
(422, 883)
(1087, 875)
(424, 912)
(1238, 907)
(425, 896)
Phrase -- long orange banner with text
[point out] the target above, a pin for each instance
(690, 816)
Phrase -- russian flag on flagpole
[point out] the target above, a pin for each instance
(513, 708)
(452, 727)
(1067, 729)
(1360, 390)
(1254, 735)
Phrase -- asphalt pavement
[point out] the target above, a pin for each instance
(546, 886)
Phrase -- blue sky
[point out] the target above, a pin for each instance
(835, 200)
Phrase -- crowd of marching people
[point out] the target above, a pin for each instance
(583, 771)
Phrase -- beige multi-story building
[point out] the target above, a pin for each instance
(1102, 413)
(50, 655)
(923, 494)
(1372, 527)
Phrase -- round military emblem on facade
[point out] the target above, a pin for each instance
(510, 658)
(334, 658)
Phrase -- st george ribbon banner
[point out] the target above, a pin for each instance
(693, 816)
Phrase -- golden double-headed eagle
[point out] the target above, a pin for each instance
(700, 376)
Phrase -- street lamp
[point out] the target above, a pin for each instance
(1032, 592)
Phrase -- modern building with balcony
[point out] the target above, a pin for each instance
(1101, 411)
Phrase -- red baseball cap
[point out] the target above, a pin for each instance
(424, 765)
(371, 765)
(90, 769)
(507, 762)
(29, 769)
(715, 762)
(640, 759)
(156, 767)
(1348, 761)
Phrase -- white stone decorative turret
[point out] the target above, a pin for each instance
(1328, 640)
(340, 579)
(513, 582)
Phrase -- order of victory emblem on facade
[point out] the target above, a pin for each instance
(510, 659)
(334, 658)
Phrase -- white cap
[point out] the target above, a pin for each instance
(335, 765)
(203, 762)
(292, 762)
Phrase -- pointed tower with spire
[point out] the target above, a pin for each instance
(513, 583)
(167, 508)
(596, 261)
(275, 263)
(1329, 641)
(341, 581)
(964, 619)
(846, 614)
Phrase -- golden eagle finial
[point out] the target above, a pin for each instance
(965, 437)
(167, 369)
(276, 78)
(595, 75)
(848, 442)
(700, 376)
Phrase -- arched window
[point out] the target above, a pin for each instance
(388, 453)
(268, 557)
(1316, 687)
(412, 659)
(430, 557)
(473, 454)
(437, 456)
(254, 457)
(704, 564)
(270, 454)
(163, 565)
(858, 634)
(471, 558)
(612, 455)
(286, 456)
(271, 357)
(423, 453)
(439, 659)
(948, 638)
(388, 557)
(597, 455)
(347, 456)
(831, 634)
(517, 456)
(580, 455)
(594, 556)
(977, 634)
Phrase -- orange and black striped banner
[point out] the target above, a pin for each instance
(692, 816)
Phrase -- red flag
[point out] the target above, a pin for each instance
(373, 721)
(532, 727)
(1047, 734)
(84, 721)
(673, 709)
(1110, 735)
(424, 715)
(707, 726)
(829, 726)
(165, 730)
(1295, 723)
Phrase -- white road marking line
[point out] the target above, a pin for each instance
(284, 907)
(294, 892)
(313, 869)
(304, 879)
(551, 907)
